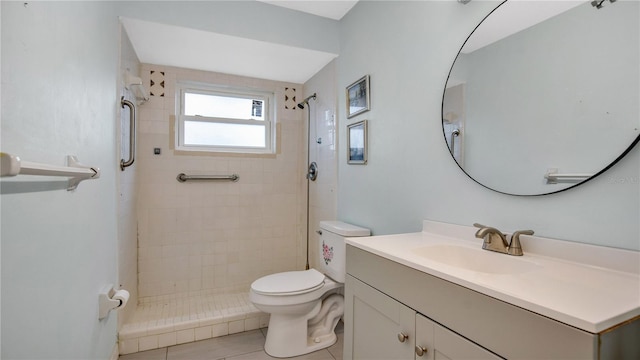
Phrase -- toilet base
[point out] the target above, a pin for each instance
(290, 336)
(292, 350)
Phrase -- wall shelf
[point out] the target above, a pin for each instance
(12, 165)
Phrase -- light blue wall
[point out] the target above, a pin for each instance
(408, 48)
(59, 74)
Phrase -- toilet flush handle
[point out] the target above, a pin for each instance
(319, 232)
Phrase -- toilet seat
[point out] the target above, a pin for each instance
(289, 283)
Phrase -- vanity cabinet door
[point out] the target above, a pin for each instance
(376, 326)
(436, 342)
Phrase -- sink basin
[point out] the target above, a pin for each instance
(477, 260)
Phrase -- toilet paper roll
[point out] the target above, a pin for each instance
(123, 296)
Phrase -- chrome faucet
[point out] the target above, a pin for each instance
(495, 240)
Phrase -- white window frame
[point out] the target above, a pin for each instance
(208, 89)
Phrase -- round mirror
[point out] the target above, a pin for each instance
(545, 95)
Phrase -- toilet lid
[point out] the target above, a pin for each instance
(289, 283)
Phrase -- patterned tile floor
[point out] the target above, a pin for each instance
(243, 346)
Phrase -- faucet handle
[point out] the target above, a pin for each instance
(479, 225)
(515, 248)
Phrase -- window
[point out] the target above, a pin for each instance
(222, 119)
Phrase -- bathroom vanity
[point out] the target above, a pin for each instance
(435, 293)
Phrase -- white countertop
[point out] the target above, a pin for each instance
(589, 287)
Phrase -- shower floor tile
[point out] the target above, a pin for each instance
(173, 320)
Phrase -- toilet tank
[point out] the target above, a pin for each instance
(332, 247)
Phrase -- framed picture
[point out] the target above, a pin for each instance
(357, 143)
(358, 97)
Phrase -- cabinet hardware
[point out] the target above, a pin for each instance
(402, 337)
(420, 350)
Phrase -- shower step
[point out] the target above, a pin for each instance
(180, 320)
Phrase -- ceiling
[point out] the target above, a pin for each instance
(332, 9)
(183, 47)
(512, 17)
(177, 46)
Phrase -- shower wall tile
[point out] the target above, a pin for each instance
(216, 236)
(156, 83)
(127, 189)
(290, 101)
(323, 191)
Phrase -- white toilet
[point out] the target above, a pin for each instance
(305, 306)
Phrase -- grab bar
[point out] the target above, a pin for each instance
(183, 177)
(553, 177)
(132, 133)
(12, 166)
(454, 135)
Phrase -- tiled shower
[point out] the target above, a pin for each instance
(200, 245)
(215, 236)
